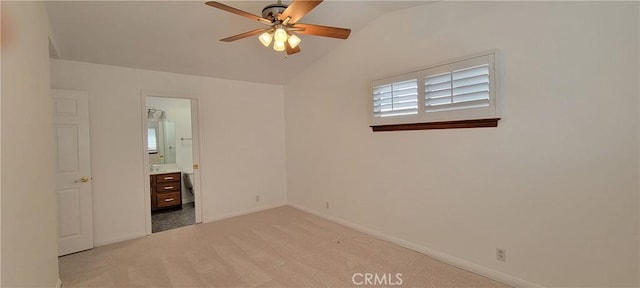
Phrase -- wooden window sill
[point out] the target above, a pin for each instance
(479, 123)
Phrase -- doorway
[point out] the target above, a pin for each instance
(171, 154)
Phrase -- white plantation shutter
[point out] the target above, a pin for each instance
(396, 99)
(459, 89)
(465, 89)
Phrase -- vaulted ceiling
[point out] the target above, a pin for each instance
(183, 36)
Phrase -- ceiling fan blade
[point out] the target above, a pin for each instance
(324, 31)
(237, 12)
(291, 50)
(297, 9)
(244, 35)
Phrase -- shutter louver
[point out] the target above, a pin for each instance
(396, 99)
(459, 89)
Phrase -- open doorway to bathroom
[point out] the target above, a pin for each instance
(169, 153)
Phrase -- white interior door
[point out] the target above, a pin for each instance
(73, 171)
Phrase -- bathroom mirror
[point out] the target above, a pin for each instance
(161, 142)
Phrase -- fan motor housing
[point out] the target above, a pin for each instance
(272, 11)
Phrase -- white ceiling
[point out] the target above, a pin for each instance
(182, 36)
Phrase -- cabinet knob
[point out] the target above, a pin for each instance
(168, 200)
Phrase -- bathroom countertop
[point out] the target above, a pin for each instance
(164, 171)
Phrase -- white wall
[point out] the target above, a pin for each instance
(241, 131)
(556, 184)
(29, 226)
(179, 112)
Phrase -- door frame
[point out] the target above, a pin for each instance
(195, 134)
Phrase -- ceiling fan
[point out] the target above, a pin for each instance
(283, 25)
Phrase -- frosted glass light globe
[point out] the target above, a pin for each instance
(280, 35)
(278, 46)
(294, 41)
(265, 38)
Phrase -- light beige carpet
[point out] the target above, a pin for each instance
(281, 247)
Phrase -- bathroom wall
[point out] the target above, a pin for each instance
(179, 112)
(241, 138)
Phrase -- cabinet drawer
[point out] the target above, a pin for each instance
(168, 199)
(169, 177)
(167, 187)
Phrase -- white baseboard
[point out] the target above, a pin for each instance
(460, 263)
(59, 283)
(118, 239)
(244, 212)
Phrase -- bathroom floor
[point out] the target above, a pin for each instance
(171, 219)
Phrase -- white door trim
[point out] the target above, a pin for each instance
(196, 151)
(195, 134)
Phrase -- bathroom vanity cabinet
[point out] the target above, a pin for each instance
(166, 191)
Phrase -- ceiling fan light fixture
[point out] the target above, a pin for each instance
(282, 20)
(294, 40)
(278, 46)
(280, 35)
(265, 38)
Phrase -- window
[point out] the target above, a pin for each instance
(152, 142)
(453, 95)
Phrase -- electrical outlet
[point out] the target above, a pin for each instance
(327, 204)
(501, 254)
(257, 198)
